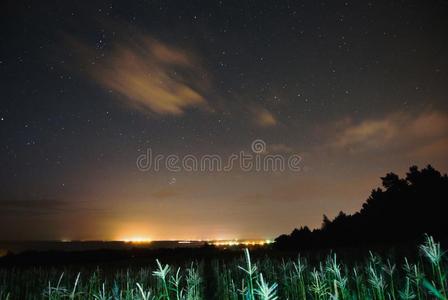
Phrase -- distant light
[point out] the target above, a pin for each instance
(225, 243)
(137, 240)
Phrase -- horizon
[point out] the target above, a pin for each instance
(139, 241)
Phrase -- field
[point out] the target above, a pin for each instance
(244, 278)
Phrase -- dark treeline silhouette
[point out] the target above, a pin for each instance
(403, 210)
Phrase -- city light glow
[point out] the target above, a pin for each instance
(225, 243)
(137, 240)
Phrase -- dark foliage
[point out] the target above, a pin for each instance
(403, 210)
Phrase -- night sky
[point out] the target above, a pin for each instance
(356, 88)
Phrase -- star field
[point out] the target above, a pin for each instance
(357, 88)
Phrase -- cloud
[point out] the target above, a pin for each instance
(369, 133)
(32, 206)
(280, 149)
(40, 206)
(166, 193)
(423, 134)
(149, 74)
(263, 117)
(438, 148)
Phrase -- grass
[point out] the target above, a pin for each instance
(374, 278)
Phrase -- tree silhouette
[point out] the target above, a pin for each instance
(403, 209)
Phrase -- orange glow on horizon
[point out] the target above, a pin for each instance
(134, 233)
(241, 242)
(136, 239)
(141, 232)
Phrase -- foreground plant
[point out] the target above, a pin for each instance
(266, 291)
(145, 295)
(193, 284)
(432, 251)
(319, 287)
(161, 273)
(102, 294)
(250, 271)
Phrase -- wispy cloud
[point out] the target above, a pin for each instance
(367, 134)
(263, 117)
(423, 134)
(147, 73)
